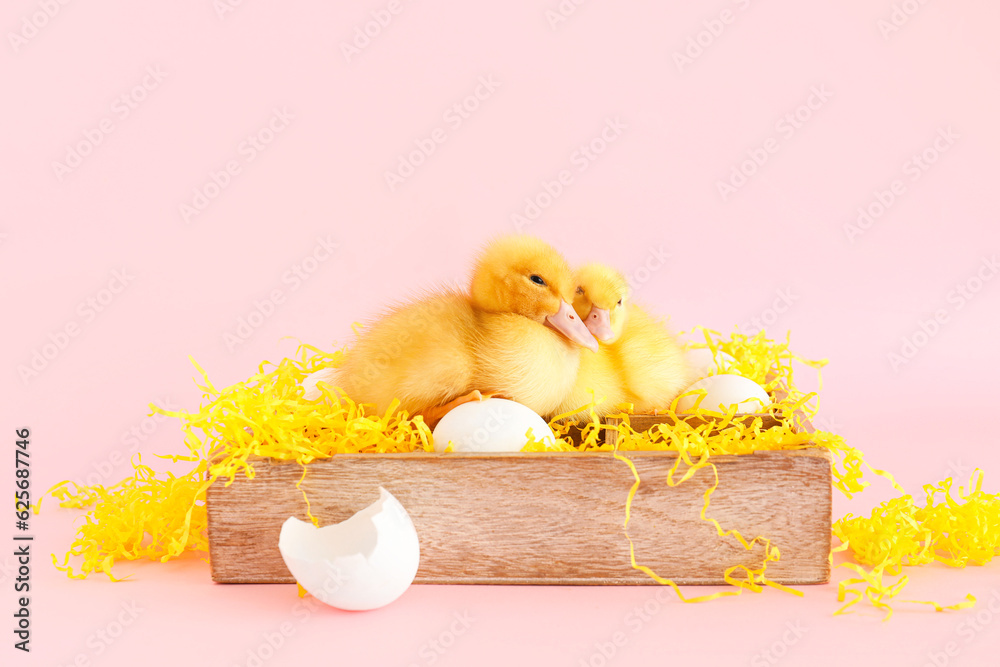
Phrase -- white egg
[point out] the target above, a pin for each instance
(309, 382)
(492, 425)
(722, 391)
(702, 362)
(364, 562)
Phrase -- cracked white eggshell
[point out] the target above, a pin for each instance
(702, 363)
(722, 391)
(364, 562)
(491, 425)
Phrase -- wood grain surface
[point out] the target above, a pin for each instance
(542, 518)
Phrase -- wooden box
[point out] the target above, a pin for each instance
(543, 518)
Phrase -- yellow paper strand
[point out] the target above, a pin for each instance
(900, 533)
(160, 515)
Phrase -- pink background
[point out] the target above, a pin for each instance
(652, 191)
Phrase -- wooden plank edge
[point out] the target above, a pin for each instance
(641, 580)
(804, 450)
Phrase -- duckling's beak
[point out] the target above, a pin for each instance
(568, 324)
(599, 324)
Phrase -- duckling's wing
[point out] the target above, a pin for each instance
(654, 367)
(419, 353)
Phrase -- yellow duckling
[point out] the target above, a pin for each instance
(514, 334)
(639, 361)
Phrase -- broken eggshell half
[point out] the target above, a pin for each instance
(364, 562)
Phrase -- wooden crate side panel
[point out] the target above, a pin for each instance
(540, 518)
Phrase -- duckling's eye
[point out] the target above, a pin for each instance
(538, 280)
(579, 290)
(619, 302)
